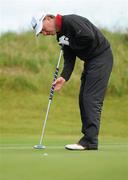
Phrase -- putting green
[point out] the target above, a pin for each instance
(20, 129)
(18, 160)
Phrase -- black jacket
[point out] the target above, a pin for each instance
(85, 41)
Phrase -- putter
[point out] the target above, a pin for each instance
(40, 145)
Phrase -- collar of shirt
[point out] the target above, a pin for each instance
(59, 21)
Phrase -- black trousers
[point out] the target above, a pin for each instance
(94, 82)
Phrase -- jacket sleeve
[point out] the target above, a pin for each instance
(69, 63)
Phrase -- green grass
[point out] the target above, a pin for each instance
(26, 71)
(18, 160)
(21, 120)
(27, 63)
(25, 112)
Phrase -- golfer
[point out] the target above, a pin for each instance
(80, 38)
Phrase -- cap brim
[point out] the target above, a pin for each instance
(39, 28)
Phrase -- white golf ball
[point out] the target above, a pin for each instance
(45, 154)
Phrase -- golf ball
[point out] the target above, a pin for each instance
(45, 154)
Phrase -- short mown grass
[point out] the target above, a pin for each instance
(18, 160)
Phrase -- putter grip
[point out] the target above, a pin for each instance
(53, 86)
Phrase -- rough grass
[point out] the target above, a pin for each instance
(28, 63)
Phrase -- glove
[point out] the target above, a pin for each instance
(63, 40)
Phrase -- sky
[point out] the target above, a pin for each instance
(15, 15)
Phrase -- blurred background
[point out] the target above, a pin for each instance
(111, 14)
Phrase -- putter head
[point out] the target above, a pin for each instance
(39, 146)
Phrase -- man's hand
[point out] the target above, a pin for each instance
(59, 83)
(63, 40)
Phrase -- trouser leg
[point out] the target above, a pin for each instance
(93, 86)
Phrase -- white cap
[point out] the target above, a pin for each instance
(37, 22)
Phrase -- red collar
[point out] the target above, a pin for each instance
(59, 21)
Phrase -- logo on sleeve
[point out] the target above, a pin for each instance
(63, 40)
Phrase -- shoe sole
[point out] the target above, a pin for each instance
(85, 149)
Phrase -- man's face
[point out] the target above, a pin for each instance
(48, 26)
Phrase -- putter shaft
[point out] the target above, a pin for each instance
(44, 125)
(51, 96)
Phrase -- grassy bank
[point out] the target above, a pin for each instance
(23, 113)
(27, 63)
